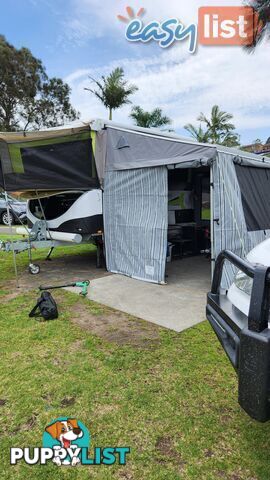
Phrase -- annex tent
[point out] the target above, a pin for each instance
(132, 168)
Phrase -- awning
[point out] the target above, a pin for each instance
(129, 150)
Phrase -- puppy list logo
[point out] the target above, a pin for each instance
(66, 441)
(216, 26)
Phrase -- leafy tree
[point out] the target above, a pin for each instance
(198, 133)
(145, 119)
(262, 8)
(51, 108)
(113, 91)
(219, 128)
(28, 98)
(231, 139)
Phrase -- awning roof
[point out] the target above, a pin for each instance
(62, 158)
(126, 150)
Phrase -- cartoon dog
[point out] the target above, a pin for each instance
(65, 432)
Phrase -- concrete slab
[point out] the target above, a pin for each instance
(178, 305)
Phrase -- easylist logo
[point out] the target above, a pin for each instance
(216, 26)
(227, 25)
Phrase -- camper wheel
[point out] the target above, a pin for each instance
(34, 269)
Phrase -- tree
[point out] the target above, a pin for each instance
(145, 119)
(28, 98)
(198, 133)
(219, 128)
(52, 108)
(262, 9)
(113, 91)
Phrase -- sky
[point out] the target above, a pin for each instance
(76, 39)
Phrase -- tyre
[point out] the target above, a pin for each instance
(4, 218)
(34, 269)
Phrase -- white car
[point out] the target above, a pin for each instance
(240, 319)
(17, 210)
(240, 291)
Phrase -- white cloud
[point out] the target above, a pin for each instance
(181, 83)
(87, 19)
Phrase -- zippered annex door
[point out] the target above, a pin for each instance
(136, 222)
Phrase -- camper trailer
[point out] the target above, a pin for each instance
(55, 170)
(75, 212)
(155, 195)
(159, 197)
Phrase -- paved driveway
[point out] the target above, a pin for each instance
(178, 305)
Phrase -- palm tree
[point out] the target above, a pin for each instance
(198, 133)
(219, 128)
(262, 10)
(145, 119)
(230, 140)
(113, 91)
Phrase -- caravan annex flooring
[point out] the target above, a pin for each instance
(178, 305)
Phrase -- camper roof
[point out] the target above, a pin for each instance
(98, 124)
(68, 156)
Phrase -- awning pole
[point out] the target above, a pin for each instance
(12, 243)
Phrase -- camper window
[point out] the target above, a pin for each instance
(255, 191)
(54, 206)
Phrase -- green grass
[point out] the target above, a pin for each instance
(7, 270)
(174, 403)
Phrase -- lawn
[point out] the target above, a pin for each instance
(172, 398)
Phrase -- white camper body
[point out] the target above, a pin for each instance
(63, 218)
(70, 212)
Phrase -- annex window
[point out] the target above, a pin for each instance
(254, 184)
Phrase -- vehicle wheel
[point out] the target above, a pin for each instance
(4, 218)
(34, 269)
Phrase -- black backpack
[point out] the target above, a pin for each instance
(45, 307)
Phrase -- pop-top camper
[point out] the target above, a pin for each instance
(159, 195)
(148, 190)
(55, 170)
(73, 212)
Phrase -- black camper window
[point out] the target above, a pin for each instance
(60, 160)
(63, 164)
(255, 191)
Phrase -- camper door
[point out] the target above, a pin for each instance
(136, 222)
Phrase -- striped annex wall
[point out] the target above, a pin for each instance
(136, 221)
(230, 231)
